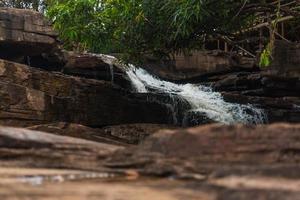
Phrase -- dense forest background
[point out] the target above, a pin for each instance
(160, 28)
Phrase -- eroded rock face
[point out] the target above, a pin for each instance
(30, 96)
(24, 33)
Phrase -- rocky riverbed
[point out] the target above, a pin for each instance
(73, 126)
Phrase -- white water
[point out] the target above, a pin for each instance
(202, 99)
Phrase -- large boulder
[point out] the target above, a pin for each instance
(30, 96)
(24, 33)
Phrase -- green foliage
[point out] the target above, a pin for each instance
(156, 27)
(139, 27)
(74, 20)
(265, 57)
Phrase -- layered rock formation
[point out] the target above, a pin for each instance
(211, 162)
(24, 33)
(30, 96)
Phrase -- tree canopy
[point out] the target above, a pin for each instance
(141, 26)
(137, 27)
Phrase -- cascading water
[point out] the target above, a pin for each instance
(111, 69)
(201, 99)
(110, 60)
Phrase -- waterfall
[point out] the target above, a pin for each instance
(111, 69)
(201, 99)
(110, 60)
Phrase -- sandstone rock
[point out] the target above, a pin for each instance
(213, 162)
(231, 162)
(210, 149)
(21, 147)
(24, 33)
(30, 96)
(96, 66)
(197, 64)
(118, 134)
(76, 130)
(230, 144)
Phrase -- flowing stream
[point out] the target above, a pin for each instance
(202, 100)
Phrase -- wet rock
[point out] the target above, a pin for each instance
(96, 66)
(278, 95)
(279, 109)
(258, 84)
(24, 33)
(30, 96)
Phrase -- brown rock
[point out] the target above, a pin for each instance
(96, 66)
(197, 65)
(30, 96)
(24, 33)
(212, 162)
(212, 148)
(118, 134)
(233, 144)
(21, 147)
(76, 130)
(133, 133)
